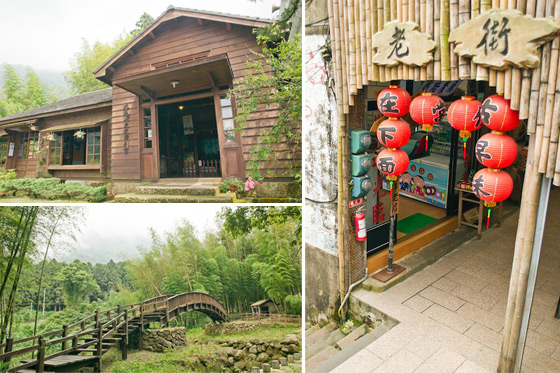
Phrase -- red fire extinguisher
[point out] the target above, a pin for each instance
(360, 225)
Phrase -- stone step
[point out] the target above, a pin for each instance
(330, 363)
(312, 330)
(351, 337)
(143, 198)
(320, 345)
(170, 190)
(319, 358)
(319, 334)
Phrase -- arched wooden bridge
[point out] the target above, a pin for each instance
(83, 343)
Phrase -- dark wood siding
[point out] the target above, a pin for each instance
(182, 37)
(125, 165)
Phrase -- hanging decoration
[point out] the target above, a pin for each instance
(393, 133)
(497, 114)
(463, 116)
(427, 109)
(49, 137)
(393, 101)
(392, 162)
(496, 151)
(79, 134)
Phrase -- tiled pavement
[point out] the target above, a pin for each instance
(452, 313)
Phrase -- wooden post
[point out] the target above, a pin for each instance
(141, 334)
(75, 343)
(64, 334)
(8, 348)
(99, 342)
(41, 356)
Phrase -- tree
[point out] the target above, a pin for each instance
(144, 21)
(274, 80)
(77, 283)
(87, 60)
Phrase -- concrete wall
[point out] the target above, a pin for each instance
(320, 131)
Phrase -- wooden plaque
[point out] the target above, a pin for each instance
(400, 42)
(501, 38)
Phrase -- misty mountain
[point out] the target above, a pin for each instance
(54, 79)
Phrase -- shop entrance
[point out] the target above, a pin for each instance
(188, 139)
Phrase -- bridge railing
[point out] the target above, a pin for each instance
(179, 300)
(292, 319)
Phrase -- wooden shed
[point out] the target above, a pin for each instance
(263, 307)
(167, 114)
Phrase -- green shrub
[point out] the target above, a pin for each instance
(52, 188)
(6, 175)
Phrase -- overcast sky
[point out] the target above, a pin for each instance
(115, 231)
(45, 34)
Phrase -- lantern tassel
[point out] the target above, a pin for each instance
(426, 142)
(488, 219)
(391, 190)
(465, 148)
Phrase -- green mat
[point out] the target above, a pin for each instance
(414, 222)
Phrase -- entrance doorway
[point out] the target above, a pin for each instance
(188, 139)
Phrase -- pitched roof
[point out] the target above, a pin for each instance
(260, 302)
(85, 99)
(175, 12)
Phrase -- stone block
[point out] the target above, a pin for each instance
(275, 364)
(291, 358)
(266, 368)
(283, 361)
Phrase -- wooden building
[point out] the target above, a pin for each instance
(165, 115)
(263, 307)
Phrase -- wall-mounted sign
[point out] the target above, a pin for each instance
(440, 88)
(400, 42)
(188, 127)
(126, 117)
(500, 38)
(11, 149)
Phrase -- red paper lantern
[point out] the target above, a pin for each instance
(462, 115)
(393, 133)
(495, 150)
(496, 114)
(492, 186)
(392, 162)
(393, 101)
(427, 109)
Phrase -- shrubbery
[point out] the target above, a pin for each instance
(52, 188)
(6, 175)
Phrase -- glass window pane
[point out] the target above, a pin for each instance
(230, 136)
(148, 144)
(147, 112)
(147, 122)
(225, 102)
(148, 134)
(227, 112)
(228, 124)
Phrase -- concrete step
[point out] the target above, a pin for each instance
(171, 190)
(319, 334)
(143, 198)
(316, 360)
(312, 330)
(330, 363)
(330, 340)
(351, 337)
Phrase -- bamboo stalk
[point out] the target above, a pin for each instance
(444, 40)
(400, 6)
(475, 11)
(374, 29)
(430, 32)
(387, 18)
(345, 54)
(404, 16)
(437, 54)
(453, 24)
(501, 75)
(380, 23)
(530, 10)
(552, 70)
(483, 73)
(511, 4)
(555, 131)
(422, 69)
(417, 12)
(352, 48)
(464, 15)
(334, 23)
(393, 16)
(368, 34)
(534, 99)
(359, 15)
(411, 15)
(493, 74)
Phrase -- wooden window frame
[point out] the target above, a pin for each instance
(25, 151)
(224, 118)
(86, 165)
(4, 148)
(145, 129)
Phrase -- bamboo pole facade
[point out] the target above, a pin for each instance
(534, 92)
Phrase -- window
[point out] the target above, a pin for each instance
(55, 147)
(28, 145)
(147, 128)
(94, 145)
(68, 149)
(227, 119)
(4, 146)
